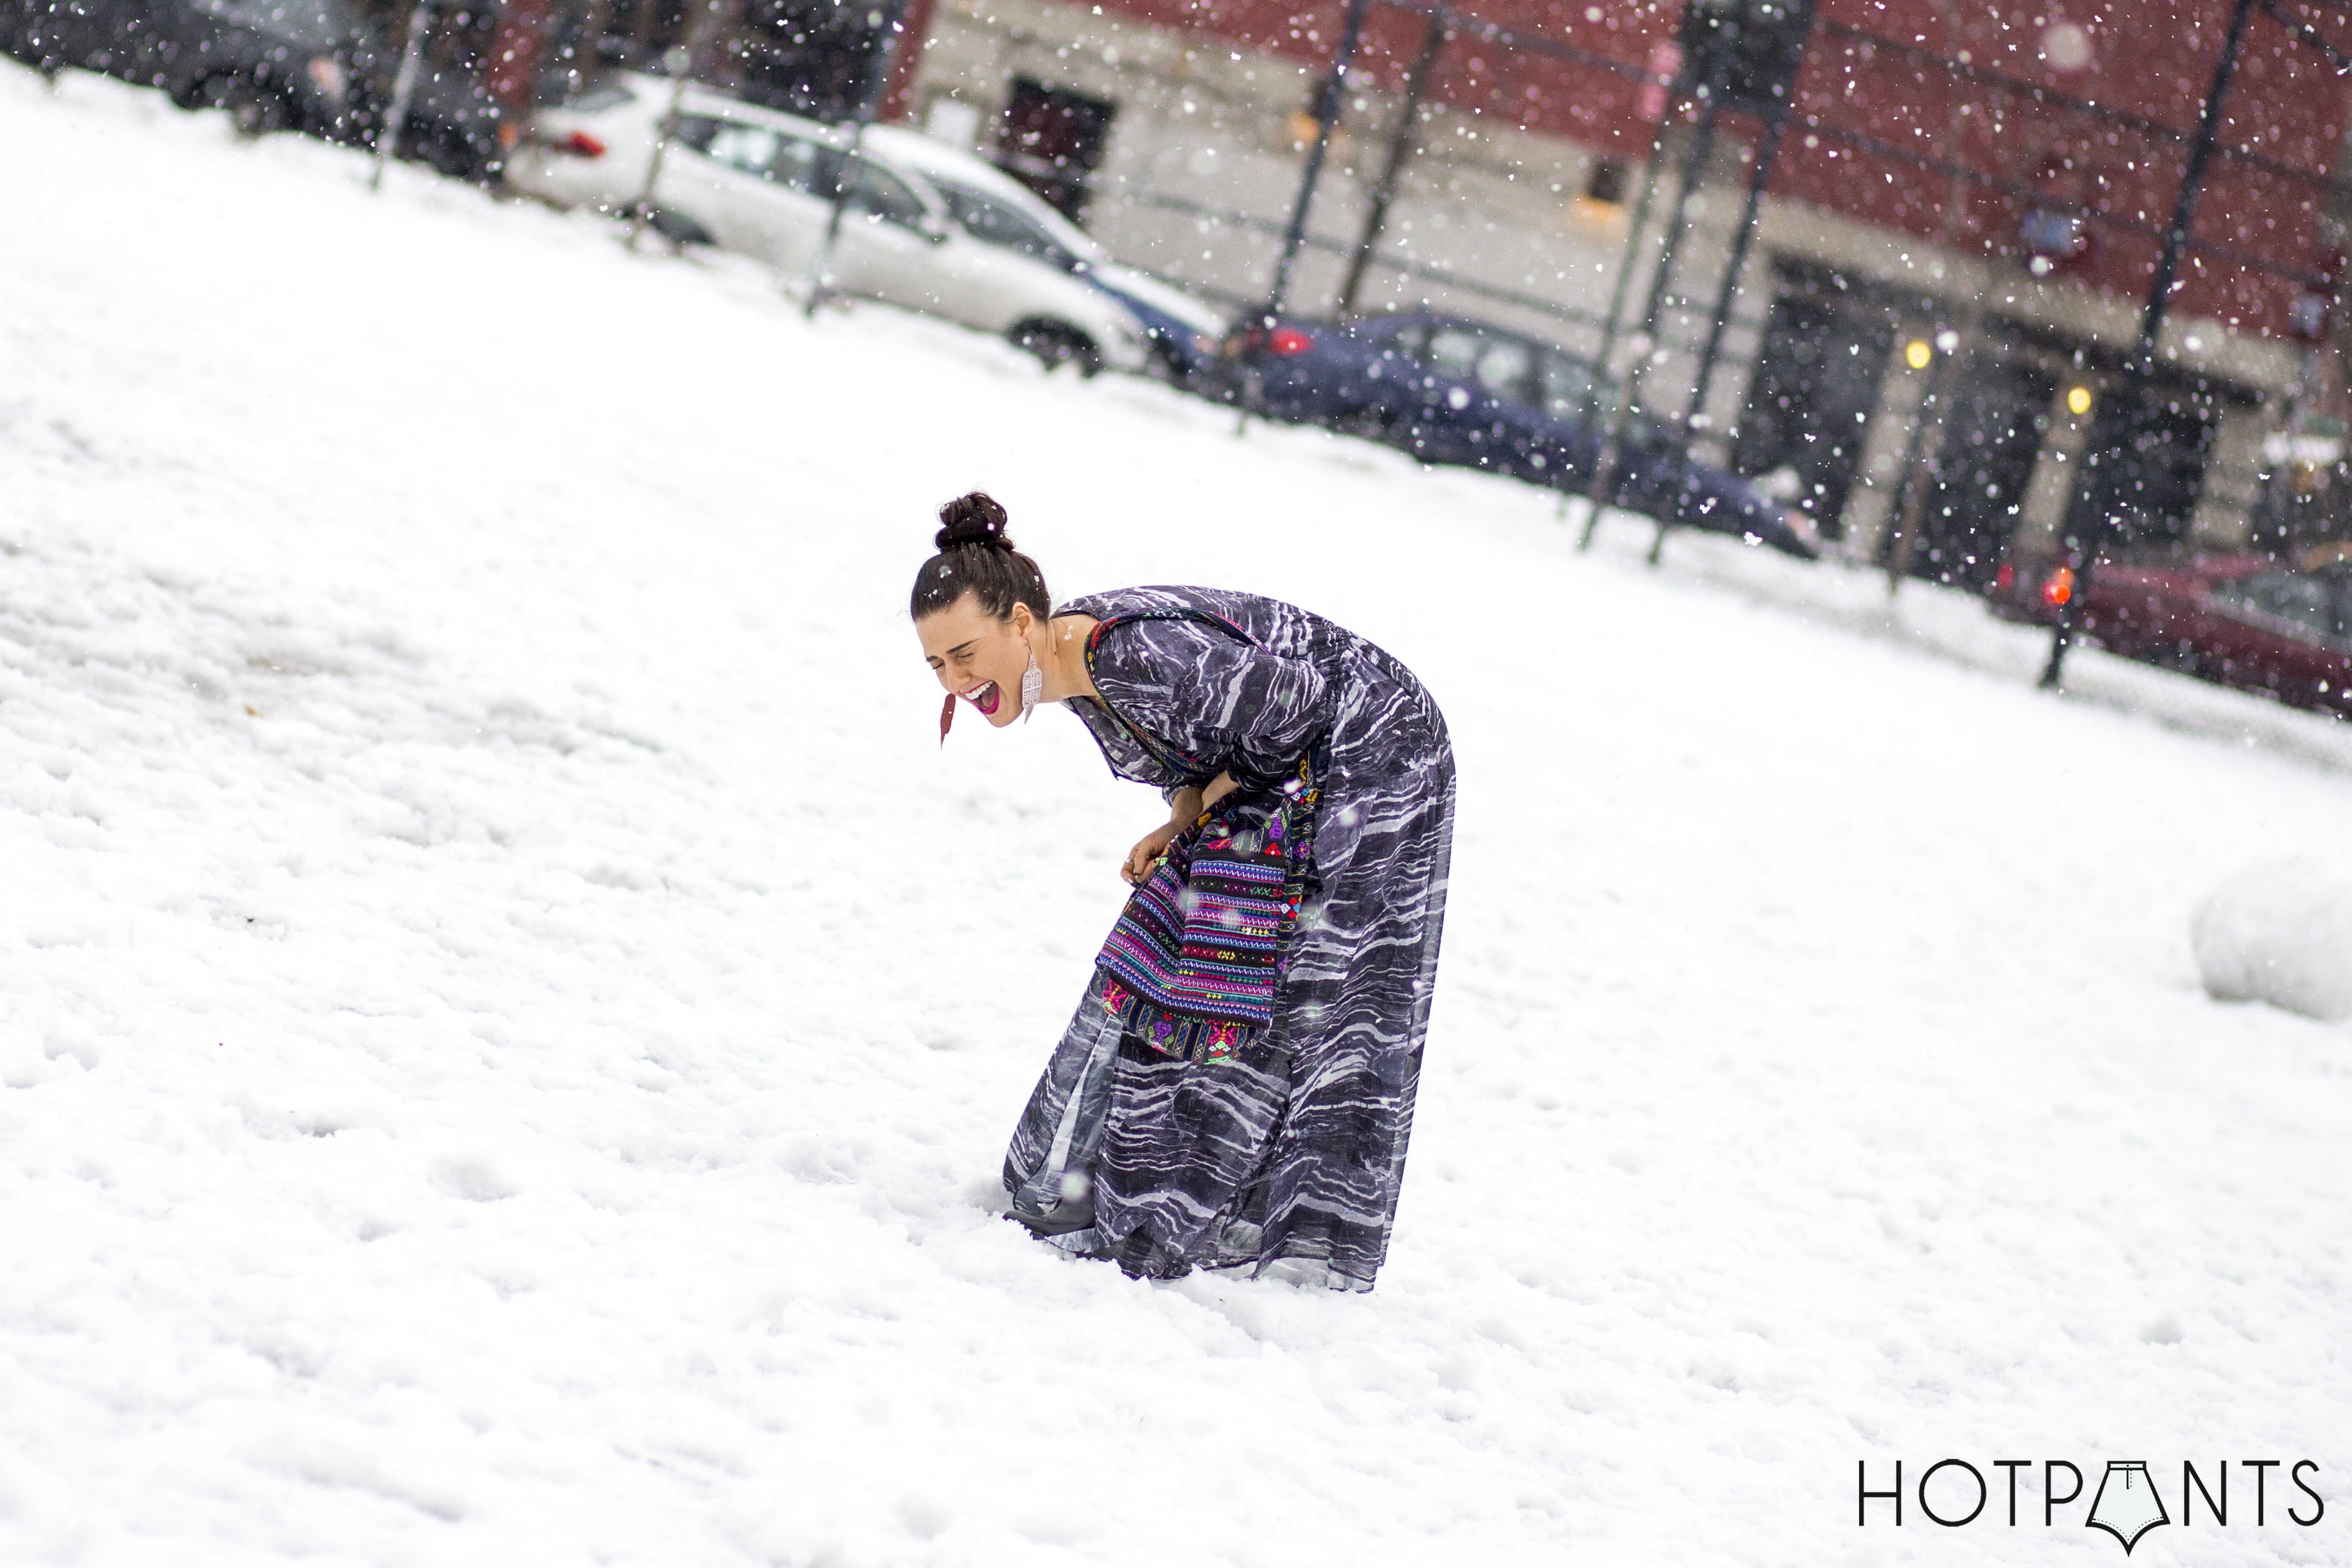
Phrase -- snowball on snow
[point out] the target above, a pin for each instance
(2282, 933)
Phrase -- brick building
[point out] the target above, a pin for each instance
(1994, 181)
(1965, 202)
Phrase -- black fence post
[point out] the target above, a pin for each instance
(682, 61)
(1640, 225)
(1776, 121)
(1702, 146)
(1611, 459)
(1327, 118)
(404, 91)
(1399, 149)
(1694, 169)
(1590, 407)
(869, 104)
(2090, 520)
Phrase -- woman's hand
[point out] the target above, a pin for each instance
(1146, 853)
(1184, 808)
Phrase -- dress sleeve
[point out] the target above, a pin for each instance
(1243, 711)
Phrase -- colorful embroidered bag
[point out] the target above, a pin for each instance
(1191, 965)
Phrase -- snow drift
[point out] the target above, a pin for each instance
(2282, 933)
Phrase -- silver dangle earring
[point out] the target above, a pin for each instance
(1032, 687)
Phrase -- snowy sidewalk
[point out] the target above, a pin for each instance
(510, 1020)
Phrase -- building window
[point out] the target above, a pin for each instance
(2153, 459)
(1052, 140)
(1608, 181)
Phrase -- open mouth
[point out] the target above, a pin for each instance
(984, 697)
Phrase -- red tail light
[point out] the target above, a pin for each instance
(2060, 588)
(2006, 578)
(582, 143)
(1288, 341)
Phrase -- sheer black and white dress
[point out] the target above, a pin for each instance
(1293, 1149)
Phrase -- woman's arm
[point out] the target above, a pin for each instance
(1255, 712)
(1225, 705)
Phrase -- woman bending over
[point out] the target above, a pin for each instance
(1236, 1086)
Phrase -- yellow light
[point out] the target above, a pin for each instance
(2078, 400)
(1918, 352)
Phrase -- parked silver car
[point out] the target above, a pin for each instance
(752, 180)
(1185, 333)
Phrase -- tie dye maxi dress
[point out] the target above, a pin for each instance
(1293, 1149)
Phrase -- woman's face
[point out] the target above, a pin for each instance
(979, 657)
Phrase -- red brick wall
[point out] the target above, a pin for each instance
(2147, 59)
(2154, 62)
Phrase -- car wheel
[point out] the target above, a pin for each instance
(677, 228)
(1168, 365)
(253, 110)
(454, 155)
(1057, 344)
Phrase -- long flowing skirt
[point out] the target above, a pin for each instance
(1293, 1151)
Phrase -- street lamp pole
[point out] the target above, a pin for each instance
(1776, 121)
(1326, 119)
(2091, 518)
(1400, 148)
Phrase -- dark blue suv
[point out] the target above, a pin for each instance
(1469, 395)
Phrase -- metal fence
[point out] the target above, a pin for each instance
(1809, 98)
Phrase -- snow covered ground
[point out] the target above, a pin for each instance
(509, 1020)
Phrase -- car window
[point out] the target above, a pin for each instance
(1412, 340)
(883, 195)
(695, 131)
(1454, 352)
(1566, 385)
(995, 223)
(747, 149)
(1504, 367)
(792, 162)
(1393, 336)
(2290, 596)
(804, 166)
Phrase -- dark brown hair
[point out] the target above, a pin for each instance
(976, 557)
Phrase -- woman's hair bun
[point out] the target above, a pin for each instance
(976, 559)
(974, 519)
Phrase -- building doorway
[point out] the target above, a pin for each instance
(2158, 469)
(2000, 414)
(1809, 406)
(1052, 141)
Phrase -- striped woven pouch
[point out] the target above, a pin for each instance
(1191, 965)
